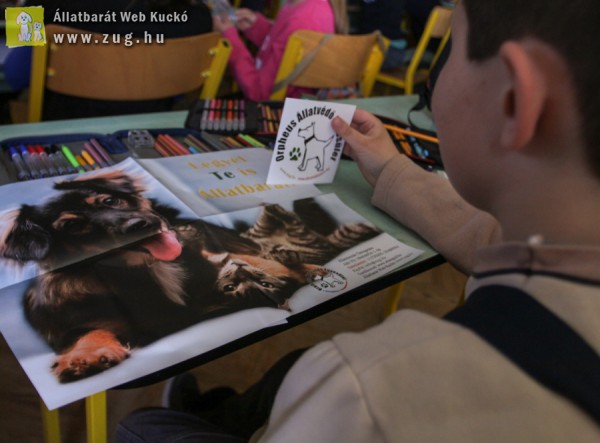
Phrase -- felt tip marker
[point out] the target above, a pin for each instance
(45, 160)
(71, 158)
(22, 171)
(59, 158)
(55, 158)
(35, 173)
(37, 161)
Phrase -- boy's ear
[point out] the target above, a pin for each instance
(524, 98)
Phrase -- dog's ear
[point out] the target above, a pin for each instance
(24, 239)
(112, 182)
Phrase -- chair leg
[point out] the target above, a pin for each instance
(95, 409)
(50, 424)
(395, 293)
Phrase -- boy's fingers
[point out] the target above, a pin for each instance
(344, 130)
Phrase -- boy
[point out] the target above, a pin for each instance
(516, 108)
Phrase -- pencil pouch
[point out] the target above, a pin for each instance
(31, 157)
(233, 116)
(419, 145)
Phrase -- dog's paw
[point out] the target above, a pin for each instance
(285, 256)
(91, 354)
(189, 234)
(351, 234)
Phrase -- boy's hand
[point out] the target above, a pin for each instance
(367, 143)
(245, 18)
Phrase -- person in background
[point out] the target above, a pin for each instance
(517, 121)
(61, 106)
(255, 75)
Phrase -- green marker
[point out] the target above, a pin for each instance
(71, 158)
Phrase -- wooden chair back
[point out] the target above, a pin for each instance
(318, 60)
(117, 71)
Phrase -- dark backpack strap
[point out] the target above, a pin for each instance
(537, 341)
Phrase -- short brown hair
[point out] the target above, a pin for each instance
(570, 26)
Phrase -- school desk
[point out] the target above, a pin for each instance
(349, 185)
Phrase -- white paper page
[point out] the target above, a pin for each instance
(224, 181)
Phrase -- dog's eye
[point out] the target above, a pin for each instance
(229, 288)
(266, 284)
(113, 202)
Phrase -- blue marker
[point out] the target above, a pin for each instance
(22, 171)
(31, 165)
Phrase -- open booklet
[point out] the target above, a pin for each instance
(114, 274)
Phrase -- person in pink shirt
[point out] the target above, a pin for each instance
(255, 75)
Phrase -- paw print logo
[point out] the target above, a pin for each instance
(295, 154)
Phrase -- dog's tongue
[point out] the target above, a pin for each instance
(163, 246)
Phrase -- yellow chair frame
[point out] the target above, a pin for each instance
(95, 410)
(343, 60)
(117, 72)
(437, 26)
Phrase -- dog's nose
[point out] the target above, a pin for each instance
(137, 224)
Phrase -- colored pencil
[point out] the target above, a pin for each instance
(410, 133)
(95, 154)
(102, 151)
(161, 149)
(89, 159)
(82, 162)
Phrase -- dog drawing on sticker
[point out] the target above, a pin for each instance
(314, 147)
(24, 20)
(37, 33)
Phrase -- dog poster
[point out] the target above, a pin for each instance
(307, 150)
(108, 276)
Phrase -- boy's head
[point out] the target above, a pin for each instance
(520, 84)
(569, 26)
